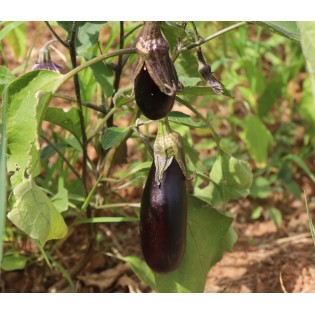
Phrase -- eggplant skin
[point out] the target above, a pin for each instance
(153, 103)
(163, 219)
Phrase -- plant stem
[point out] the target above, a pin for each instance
(72, 50)
(86, 104)
(64, 43)
(206, 39)
(97, 59)
(62, 156)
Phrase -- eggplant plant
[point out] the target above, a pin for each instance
(55, 185)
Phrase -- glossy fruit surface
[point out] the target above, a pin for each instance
(153, 103)
(163, 219)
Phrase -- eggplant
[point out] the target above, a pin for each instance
(153, 103)
(163, 219)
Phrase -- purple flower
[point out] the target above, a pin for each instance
(44, 61)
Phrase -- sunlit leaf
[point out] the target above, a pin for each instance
(258, 139)
(232, 177)
(28, 98)
(288, 29)
(35, 214)
(307, 29)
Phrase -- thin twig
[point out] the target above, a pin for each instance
(62, 156)
(206, 39)
(86, 104)
(63, 42)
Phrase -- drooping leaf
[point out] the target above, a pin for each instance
(208, 235)
(307, 29)
(232, 177)
(257, 138)
(68, 120)
(310, 222)
(6, 77)
(112, 136)
(35, 214)
(287, 29)
(184, 119)
(28, 98)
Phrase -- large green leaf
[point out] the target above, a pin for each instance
(287, 29)
(68, 120)
(3, 173)
(28, 98)
(258, 139)
(35, 214)
(112, 136)
(6, 77)
(232, 177)
(208, 235)
(307, 30)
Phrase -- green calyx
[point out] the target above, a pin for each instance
(168, 145)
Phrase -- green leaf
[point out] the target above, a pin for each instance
(35, 214)
(8, 28)
(208, 235)
(184, 119)
(60, 200)
(260, 188)
(6, 77)
(141, 269)
(28, 98)
(88, 33)
(107, 220)
(123, 96)
(297, 160)
(276, 217)
(17, 41)
(287, 29)
(307, 30)
(201, 91)
(112, 136)
(232, 177)
(256, 213)
(258, 139)
(11, 263)
(3, 173)
(173, 33)
(68, 120)
(104, 76)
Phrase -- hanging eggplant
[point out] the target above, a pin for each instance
(163, 216)
(155, 78)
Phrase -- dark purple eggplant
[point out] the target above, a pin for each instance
(153, 103)
(163, 219)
